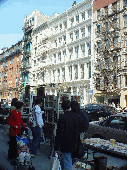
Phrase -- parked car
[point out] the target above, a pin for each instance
(95, 111)
(4, 112)
(112, 127)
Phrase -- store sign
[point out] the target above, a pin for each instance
(90, 92)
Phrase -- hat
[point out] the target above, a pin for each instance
(20, 143)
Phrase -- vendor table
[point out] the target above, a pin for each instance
(111, 154)
(105, 146)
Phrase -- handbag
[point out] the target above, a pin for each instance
(55, 163)
(80, 151)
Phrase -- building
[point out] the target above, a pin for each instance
(62, 52)
(110, 51)
(10, 60)
(32, 21)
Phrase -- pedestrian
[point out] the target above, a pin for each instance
(36, 127)
(13, 107)
(15, 120)
(75, 107)
(67, 135)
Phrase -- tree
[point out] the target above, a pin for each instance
(108, 49)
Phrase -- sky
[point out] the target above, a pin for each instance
(12, 13)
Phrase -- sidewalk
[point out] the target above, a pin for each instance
(40, 162)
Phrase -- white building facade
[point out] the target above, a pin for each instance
(61, 52)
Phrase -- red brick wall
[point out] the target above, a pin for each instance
(97, 4)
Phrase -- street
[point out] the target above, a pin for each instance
(41, 161)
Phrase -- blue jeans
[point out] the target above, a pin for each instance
(36, 132)
(66, 161)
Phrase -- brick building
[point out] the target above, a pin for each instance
(10, 61)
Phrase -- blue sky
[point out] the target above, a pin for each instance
(12, 13)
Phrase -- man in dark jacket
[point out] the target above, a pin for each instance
(67, 135)
(83, 115)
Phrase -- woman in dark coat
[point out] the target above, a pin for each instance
(15, 120)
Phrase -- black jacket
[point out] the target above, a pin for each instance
(85, 121)
(67, 133)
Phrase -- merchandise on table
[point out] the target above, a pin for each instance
(106, 144)
(81, 166)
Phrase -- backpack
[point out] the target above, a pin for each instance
(31, 118)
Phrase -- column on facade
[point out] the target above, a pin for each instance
(85, 98)
(86, 31)
(67, 55)
(86, 50)
(60, 75)
(79, 71)
(85, 71)
(68, 23)
(80, 51)
(73, 73)
(74, 54)
(66, 73)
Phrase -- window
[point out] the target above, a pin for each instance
(98, 83)
(77, 34)
(125, 40)
(60, 27)
(89, 30)
(70, 53)
(71, 37)
(125, 76)
(77, 19)
(125, 57)
(11, 61)
(89, 69)
(89, 13)
(64, 54)
(53, 75)
(98, 65)
(106, 26)
(82, 71)
(106, 10)
(72, 22)
(18, 58)
(83, 16)
(55, 43)
(64, 38)
(17, 70)
(77, 51)
(117, 122)
(98, 47)
(125, 3)
(70, 73)
(56, 28)
(83, 49)
(106, 44)
(83, 32)
(125, 20)
(60, 39)
(115, 23)
(63, 73)
(59, 56)
(98, 29)
(114, 7)
(54, 55)
(12, 71)
(58, 76)
(98, 14)
(89, 48)
(76, 71)
(65, 24)
(115, 80)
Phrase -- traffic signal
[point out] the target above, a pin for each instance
(40, 92)
(27, 91)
